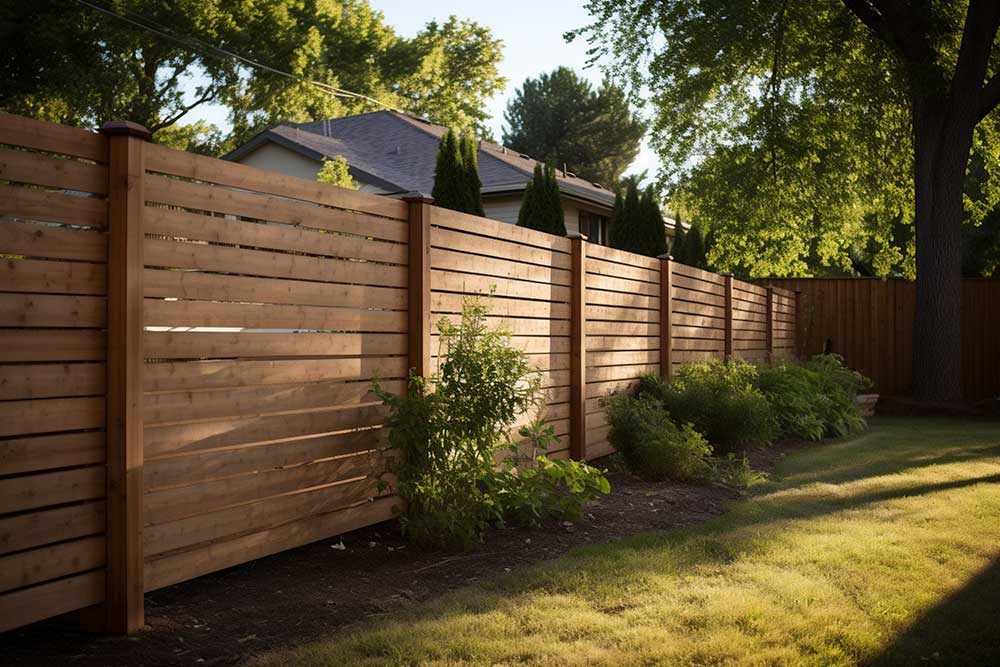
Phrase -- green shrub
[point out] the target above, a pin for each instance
(653, 446)
(814, 399)
(720, 399)
(443, 444)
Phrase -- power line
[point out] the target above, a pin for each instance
(198, 45)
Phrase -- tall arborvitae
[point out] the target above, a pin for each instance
(541, 208)
(473, 186)
(625, 232)
(652, 234)
(694, 247)
(677, 247)
(450, 180)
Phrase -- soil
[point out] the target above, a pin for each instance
(305, 593)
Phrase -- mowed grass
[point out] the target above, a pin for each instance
(880, 550)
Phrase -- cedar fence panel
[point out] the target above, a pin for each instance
(187, 349)
(870, 322)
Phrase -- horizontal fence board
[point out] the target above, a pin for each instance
(47, 415)
(52, 345)
(45, 241)
(51, 562)
(39, 453)
(613, 284)
(52, 310)
(498, 249)
(629, 259)
(697, 274)
(494, 229)
(501, 307)
(698, 285)
(34, 529)
(33, 275)
(54, 172)
(616, 314)
(52, 137)
(608, 328)
(159, 313)
(604, 298)
(623, 343)
(164, 160)
(51, 599)
(500, 268)
(490, 287)
(195, 345)
(27, 492)
(53, 206)
(613, 270)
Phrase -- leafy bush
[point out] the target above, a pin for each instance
(816, 398)
(444, 442)
(735, 472)
(720, 399)
(653, 446)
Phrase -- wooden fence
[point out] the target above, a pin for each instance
(870, 322)
(189, 345)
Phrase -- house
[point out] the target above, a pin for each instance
(394, 154)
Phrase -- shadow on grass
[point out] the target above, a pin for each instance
(963, 629)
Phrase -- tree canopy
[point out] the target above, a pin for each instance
(336, 171)
(560, 119)
(72, 64)
(783, 127)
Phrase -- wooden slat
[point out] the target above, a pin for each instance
(501, 307)
(215, 287)
(698, 274)
(189, 375)
(49, 415)
(186, 501)
(34, 529)
(32, 275)
(622, 257)
(195, 345)
(45, 136)
(624, 343)
(494, 229)
(189, 165)
(596, 359)
(613, 284)
(449, 281)
(597, 297)
(51, 599)
(614, 270)
(599, 389)
(691, 308)
(246, 402)
(51, 345)
(202, 436)
(606, 373)
(40, 169)
(167, 222)
(158, 312)
(27, 492)
(498, 249)
(58, 560)
(501, 268)
(699, 332)
(47, 310)
(40, 240)
(53, 206)
(616, 314)
(681, 294)
(220, 555)
(20, 455)
(251, 518)
(226, 259)
(606, 328)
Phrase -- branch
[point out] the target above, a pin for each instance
(870, 17)
(207, 97)
(968, 95)
(900, 29)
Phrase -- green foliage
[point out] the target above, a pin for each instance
(540, 489)
(788, 126)
(720, 399)
(559, 119)
(541, 208)
(653, 446)
(336, 171)
(838, 385)
(692, 250)
(443, 443)
(70, 64)
(625, 231)
(735, 472)
(469, 149)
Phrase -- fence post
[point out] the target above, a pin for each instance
(419, 285)
(124, 611)
(770, 324)
(578, 350)
(666, 315)
(729, 314)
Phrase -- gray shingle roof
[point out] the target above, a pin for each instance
(399, 151)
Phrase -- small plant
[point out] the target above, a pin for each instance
(735, 472)
(720, 399)
(443, 443)
(652, 445)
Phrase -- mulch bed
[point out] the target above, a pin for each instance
(306, 593)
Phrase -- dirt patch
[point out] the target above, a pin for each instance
(303, 594)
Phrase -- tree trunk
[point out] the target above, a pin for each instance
(942, 144)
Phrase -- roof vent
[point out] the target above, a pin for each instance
(526, 157)
(597, 185)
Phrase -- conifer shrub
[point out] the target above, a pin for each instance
(541, 208)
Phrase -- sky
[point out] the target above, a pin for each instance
(532, 32)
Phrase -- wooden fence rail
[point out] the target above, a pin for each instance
(870, 322)
(188, 348)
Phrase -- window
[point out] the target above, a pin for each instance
(594, 227)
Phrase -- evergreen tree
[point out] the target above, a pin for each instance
(450, 181)
(626, 228)
(694, 247)
(677, 247)
(652, 236)
(474, 186)
(541, 208)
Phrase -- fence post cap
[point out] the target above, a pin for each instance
(125, 128)
(576, 235)
(417, 197)
(665, 256)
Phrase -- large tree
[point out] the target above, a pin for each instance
(70, 63)
(560, 119)
(845, 116)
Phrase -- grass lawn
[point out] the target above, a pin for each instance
(881, 550)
